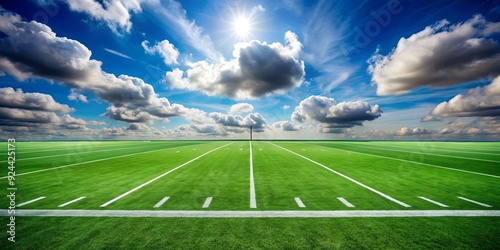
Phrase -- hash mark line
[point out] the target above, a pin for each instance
(162, 201)
(159, 176)
(69, 202)
(31, 201)
(348, 204)
(475, 202)
(415, 162)
(253, 213)
(348, 178)
(299, 202)
(207, 202)
(92, 161)
(449, 156)
(253, 202)
(432, 201)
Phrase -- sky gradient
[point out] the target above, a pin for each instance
(166, 69)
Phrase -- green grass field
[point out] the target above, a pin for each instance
(371, 176)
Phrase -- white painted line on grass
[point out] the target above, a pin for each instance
(85, 162)
(159, 176)
(416, 162)
(404, 151)
(348, 204)
(253, 213)
(207, 202)
(253, 202)
(432, 201)
(31, 201)
(347, 177)
(162, 201)
(475, 202)
(299, 202)
(69, 202)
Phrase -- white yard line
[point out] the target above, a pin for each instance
(348, 178)
(207, 202)
(159, 176)
(253, 202)
(92, 161)
(416, 162)
(475, 202)
(420, 152)
(348, 204)
(69, 202)
(162, 201)
(31, 201)
(253, 213)
(432, 201)
(299, 202)
(423, 150)
(88, 152)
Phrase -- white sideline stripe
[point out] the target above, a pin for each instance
(404, 151)
(416, 162)
(159, 176)
(349, 178)
(475, 202)
(92, 161)
(162, 201)
(432, 201)
(253, 213)
(89, 152)
(299, 202)
(348, 204)
(69, 202)
(207, 202)
(441, 149)
(31, 201)
(253, 202)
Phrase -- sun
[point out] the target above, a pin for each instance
(242, 26)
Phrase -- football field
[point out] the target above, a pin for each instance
(258, 194)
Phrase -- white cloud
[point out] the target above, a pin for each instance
(287, 126)
(439, 56)
(115, 13)
(165, 49)
(257, 69)
(241, 108)
(285, 107)
(332, 116)
(30, 101)
(74, 96)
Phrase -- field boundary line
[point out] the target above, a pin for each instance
(90, 152)
(159, 176)
(475, 202)
(348, 178)
(92, 161)
(253, 201)
(253, 214)
(450, 156)
(441, 149)
(416, 162)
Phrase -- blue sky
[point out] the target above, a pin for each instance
(165, 69)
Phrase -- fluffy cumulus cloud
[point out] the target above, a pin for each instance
(257, 69)
(254, 119)
(115, 13)
(480, 101)
(165, 49)
(441, 55)
(10, 98)
(241, 108)
(333, 117)
(32, 50)
(286, 126)
(74, 96)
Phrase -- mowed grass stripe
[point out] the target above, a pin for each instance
(414, 162)
(347, 177)
(92, 161)
(158, 177)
